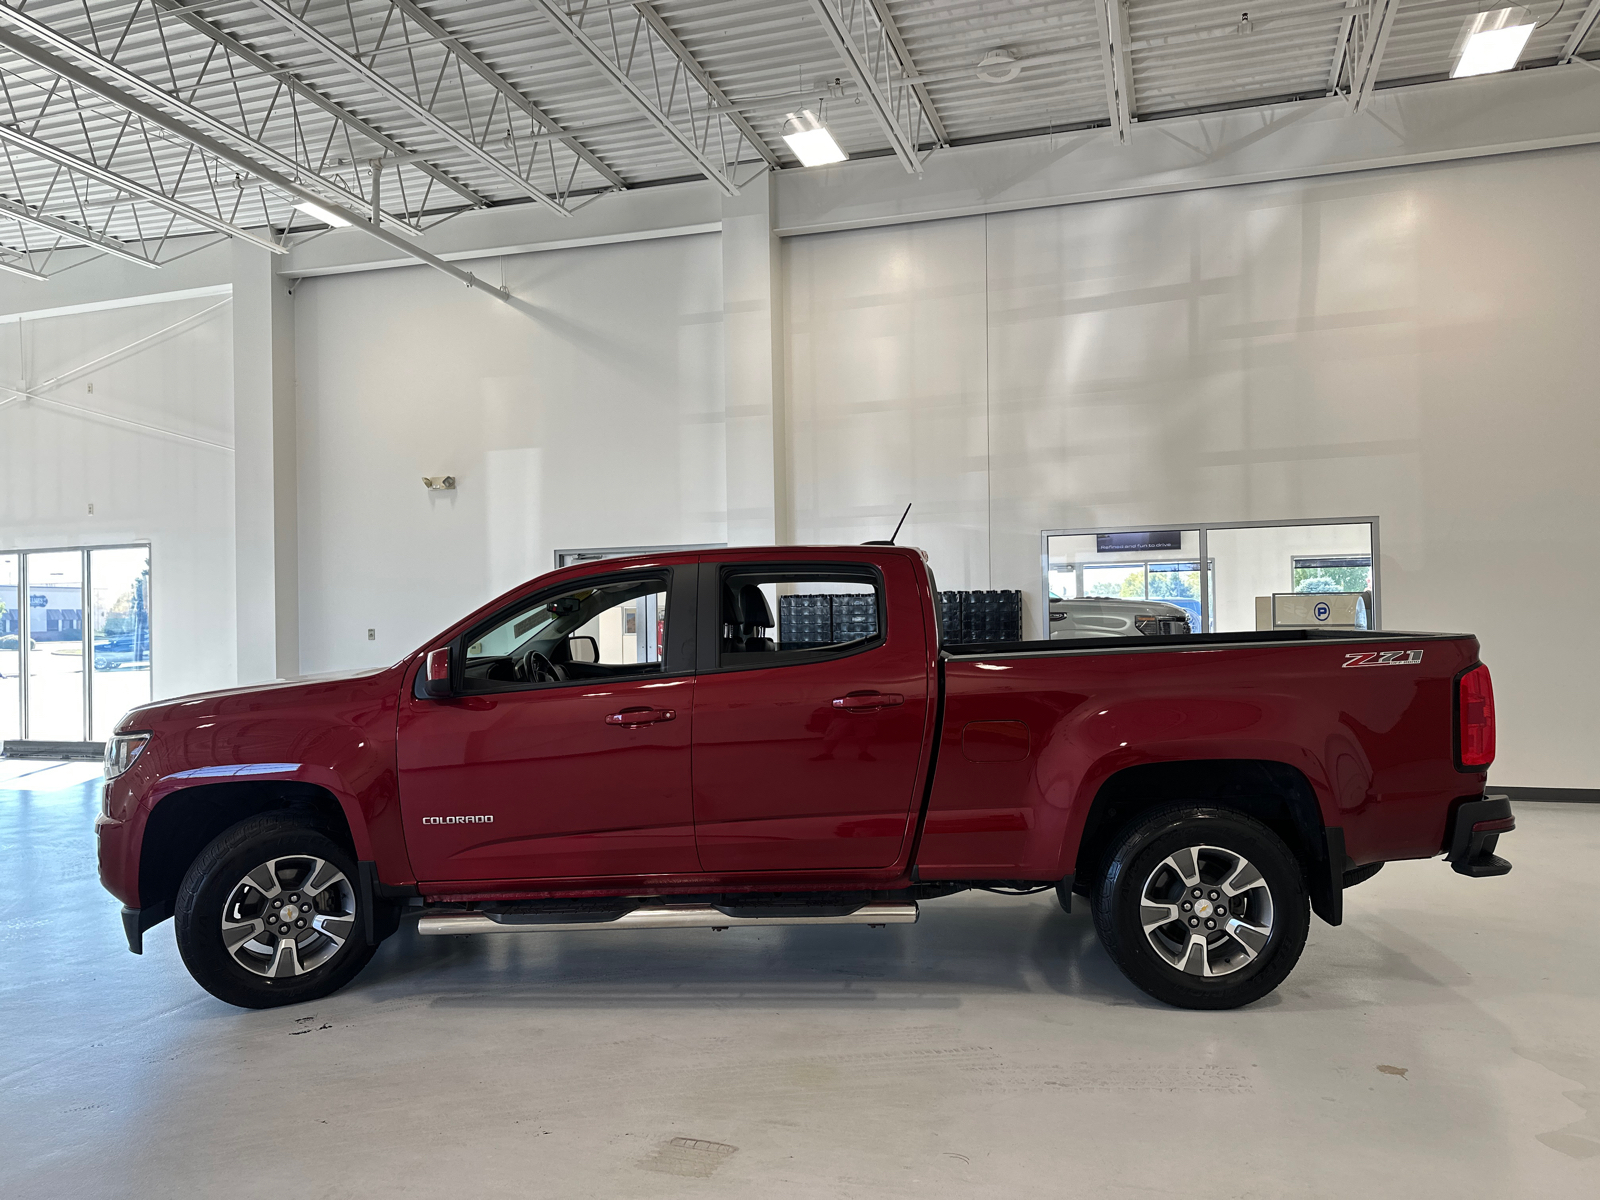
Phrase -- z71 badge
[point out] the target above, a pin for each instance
(1384, 658)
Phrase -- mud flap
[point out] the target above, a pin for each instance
(1326, 879)
(136, 920)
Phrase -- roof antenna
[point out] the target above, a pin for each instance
(896, 532)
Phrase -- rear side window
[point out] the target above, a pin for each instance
(777, 616)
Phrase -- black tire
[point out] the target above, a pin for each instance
(209, 887)
(1142, 850)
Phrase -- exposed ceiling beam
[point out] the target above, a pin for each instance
(1581, 32)
(512, 95)
(419, 112)
(862, 42)
(70, 229)
(178, 10)
(935, 122)
(226, 153)
(1117, 65)
(132, 187)
(1341, 48)
(23, 271)
(1374, 29)
(38, 29)
(670, 40)
(617, 73)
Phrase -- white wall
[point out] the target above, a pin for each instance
(127, 458)
(588, 414)
(886, 391)
(1409, 343)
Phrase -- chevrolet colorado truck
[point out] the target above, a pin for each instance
(743, 738)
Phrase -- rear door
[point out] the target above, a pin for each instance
(811, 709)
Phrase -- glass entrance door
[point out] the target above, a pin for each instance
(53, 654)
(74, 641)
(10, 648)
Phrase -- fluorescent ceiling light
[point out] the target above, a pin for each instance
(810, 140)
(1492, 41)
(325, 215)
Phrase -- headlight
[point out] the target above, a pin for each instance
(121, 750)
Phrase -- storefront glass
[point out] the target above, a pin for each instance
(10, 649)
(54, 653)
(75, 645)
(1227, 578)
(119, 584)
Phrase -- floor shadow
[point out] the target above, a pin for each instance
(955, 951)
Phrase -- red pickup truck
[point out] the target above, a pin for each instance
(755, 737)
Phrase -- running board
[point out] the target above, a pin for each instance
(696, 916)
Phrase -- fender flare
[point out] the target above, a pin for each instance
(318, 776)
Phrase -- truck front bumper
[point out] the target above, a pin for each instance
(1474, 829)
(136, 920)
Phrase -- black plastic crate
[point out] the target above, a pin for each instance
(805, 620)
(982, 616)
(854, 616)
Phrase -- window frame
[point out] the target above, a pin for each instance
(676, 661)
(708, 651)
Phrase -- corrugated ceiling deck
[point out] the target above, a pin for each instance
(768, 57)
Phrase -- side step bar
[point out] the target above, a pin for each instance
(697, 916)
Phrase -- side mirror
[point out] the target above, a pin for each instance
(436, 674)
(581, 648)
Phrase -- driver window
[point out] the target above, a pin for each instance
(613, 630)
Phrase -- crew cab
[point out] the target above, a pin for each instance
(754, 737)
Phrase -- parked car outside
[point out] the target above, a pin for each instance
(119, 652)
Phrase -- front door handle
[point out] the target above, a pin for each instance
(868, 701)
(631, 717)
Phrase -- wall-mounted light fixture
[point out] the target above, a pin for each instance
(439, 483)
(810, 140)
(1492, 41)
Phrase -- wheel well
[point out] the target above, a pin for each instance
(184, 823)
(1274, 793)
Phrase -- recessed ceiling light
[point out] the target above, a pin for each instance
(810, 140)
(1492, 41)
(326, 215)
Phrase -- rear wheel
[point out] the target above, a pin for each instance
(1202, 907)
(270, 913)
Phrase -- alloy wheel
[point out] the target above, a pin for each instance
(288, 916)
(1206, 911)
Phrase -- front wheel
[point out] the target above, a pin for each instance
(270, 914)
(1203, 907)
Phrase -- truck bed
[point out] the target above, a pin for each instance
(1031, 732)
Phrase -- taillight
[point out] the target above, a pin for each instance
(1475, 718)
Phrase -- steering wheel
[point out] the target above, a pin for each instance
(536, 668)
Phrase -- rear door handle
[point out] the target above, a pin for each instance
(631, 717)
(868, 701)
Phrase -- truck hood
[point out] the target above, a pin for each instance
(276, 693)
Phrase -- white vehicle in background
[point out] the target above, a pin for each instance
(1096, 616)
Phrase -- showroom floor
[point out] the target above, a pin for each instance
(1444, 1042)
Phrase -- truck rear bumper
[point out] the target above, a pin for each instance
(1475, 828)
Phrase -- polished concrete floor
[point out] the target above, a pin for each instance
(1444, 1042)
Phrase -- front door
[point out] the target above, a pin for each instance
(811, 711)
(564, 753)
